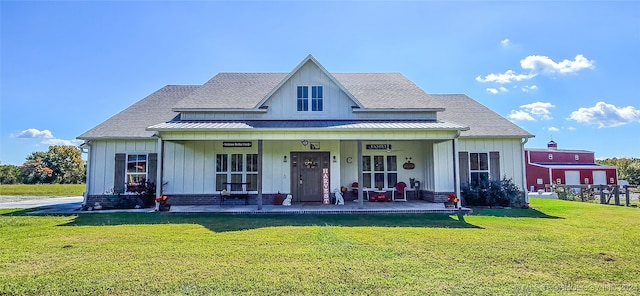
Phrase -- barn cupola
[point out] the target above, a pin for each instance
(552, 145)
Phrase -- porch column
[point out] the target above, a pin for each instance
(259, 175)
(159, 163)
(456, 170)
(360, 177)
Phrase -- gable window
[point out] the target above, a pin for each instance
(379, 171)
(136, 174)
(317, 98)
(241, 170)
(303, 98)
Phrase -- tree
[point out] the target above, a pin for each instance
(35, 171)
(628, 168)
(9, 174)
(65, 163)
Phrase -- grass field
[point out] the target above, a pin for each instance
(559, 247)
(42, 189)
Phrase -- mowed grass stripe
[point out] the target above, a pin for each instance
(559, 247)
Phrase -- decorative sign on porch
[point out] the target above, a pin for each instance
(378, 146)
(314, 146)
(236, 144)
(326, 198)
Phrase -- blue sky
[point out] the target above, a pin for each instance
(565, 70)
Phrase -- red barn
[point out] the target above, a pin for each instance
(569, 167)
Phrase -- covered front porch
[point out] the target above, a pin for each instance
(350, 207)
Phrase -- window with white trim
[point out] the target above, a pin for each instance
(241, 170)
(478, 167)
(317, 98)
(380, 171)
(136, 174)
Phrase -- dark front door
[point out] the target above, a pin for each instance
(306, 175)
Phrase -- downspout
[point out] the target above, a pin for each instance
(88, 170)
(456, 168)
(524, 173)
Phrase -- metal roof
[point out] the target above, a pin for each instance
(305, 124)
(576, 166)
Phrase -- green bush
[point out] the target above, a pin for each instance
(502, 193)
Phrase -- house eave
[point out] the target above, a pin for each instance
(234, 110)
(356, 109)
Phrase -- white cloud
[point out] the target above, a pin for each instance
(505, 42)
(506, 77)
(497, 90)
(532, 111)
(571, 128)
(606, 115)
(543, 64)
(539, 65)
(539, 109)
(35, 133)
(553, 129)
(521, 115)
(62, 142)
(528, 88)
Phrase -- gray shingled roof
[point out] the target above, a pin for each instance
(231, 90)
(133, 121)
(483, 122)
(246, 90)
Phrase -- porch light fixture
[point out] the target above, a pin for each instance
(284, 159)
(304, 143)
(334, 159)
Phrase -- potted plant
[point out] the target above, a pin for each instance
(452, 201)
(161, 203)
(278, 198)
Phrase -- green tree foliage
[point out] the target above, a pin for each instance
(9, 174)
(35, 171)
(64, 162)
(628, 168)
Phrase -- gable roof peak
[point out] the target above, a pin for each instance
(307, 59)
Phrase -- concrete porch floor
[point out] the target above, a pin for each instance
(350, 207)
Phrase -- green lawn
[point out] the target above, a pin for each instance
(42, 189)
(560, 247)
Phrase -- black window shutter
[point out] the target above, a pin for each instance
(463, 164)
(494, 165)
(152, 167)
(118, 176)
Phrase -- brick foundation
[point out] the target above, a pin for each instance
(435, 196)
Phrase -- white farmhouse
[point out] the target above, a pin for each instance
(302, 133)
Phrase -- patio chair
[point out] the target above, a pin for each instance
(400, 190)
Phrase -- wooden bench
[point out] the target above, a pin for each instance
(235, 195)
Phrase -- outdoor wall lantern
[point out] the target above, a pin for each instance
(334, 159)
(284, 159)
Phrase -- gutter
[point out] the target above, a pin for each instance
(86, 145)
(524, 172)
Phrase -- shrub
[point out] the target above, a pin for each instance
(502, 193)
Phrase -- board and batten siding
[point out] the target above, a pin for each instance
(418, 150)
(510, 150)
(190, 166)
(102, 157)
